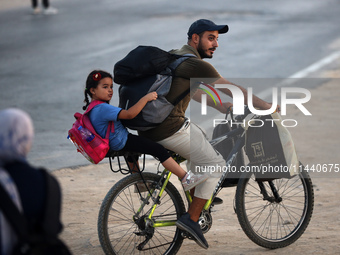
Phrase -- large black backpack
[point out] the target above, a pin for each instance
(46, 241)
(143, 70)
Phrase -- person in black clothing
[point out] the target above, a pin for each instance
(16, 136)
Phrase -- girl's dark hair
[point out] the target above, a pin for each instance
(92, 81)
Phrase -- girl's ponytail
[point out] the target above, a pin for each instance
(86, 100)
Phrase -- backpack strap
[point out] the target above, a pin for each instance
(87, 123)
(92, 105)
(180, 59)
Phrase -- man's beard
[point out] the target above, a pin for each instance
(202, 53)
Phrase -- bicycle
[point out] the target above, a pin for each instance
(139, 212)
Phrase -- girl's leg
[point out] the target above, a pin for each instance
(189, 180)
(174, 167)
(143, 145)
(133, 163)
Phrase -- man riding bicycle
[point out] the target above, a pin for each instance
(175, 131)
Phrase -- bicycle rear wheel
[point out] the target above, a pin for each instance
(275, 224)
(121, 233)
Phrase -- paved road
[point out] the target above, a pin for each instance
(45, 59)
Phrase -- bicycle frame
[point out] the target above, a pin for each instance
(274, 218)
(167, 174)
(230, 159)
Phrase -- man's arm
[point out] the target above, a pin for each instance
(210, 102)
(257, 102)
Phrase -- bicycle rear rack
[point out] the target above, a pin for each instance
(129, 157)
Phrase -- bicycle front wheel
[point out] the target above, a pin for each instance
(121, 232)
(270, 222)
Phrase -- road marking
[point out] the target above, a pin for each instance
(109, 50)
(316, 66)
(290, 80)
(302, 74)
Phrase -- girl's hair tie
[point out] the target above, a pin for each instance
(96, 77)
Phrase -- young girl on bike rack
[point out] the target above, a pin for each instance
(99, 86)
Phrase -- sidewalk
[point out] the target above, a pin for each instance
(11, 4)
(317, 141)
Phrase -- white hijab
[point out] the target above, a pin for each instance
(16, 135)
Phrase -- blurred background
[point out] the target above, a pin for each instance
(45, 59)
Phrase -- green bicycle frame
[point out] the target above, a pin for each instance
(166, 223)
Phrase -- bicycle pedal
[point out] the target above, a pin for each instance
(217, 201)
(187, 235)
(190, 237)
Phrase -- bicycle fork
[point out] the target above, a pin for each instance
(276, 198)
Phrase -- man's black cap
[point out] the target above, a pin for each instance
(202, 25)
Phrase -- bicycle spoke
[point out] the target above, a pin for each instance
(122, 237)
(126, 229)
(273, 219)
(120, 204)
(280, 222)
(256, 210)
(124, 217)
(157, 246)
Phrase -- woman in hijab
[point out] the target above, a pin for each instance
(25, 184)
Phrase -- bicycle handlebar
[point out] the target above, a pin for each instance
(246, 113)
(238, 117)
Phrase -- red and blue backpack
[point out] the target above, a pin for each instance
(94, 148)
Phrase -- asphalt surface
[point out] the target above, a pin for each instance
(44, 60)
